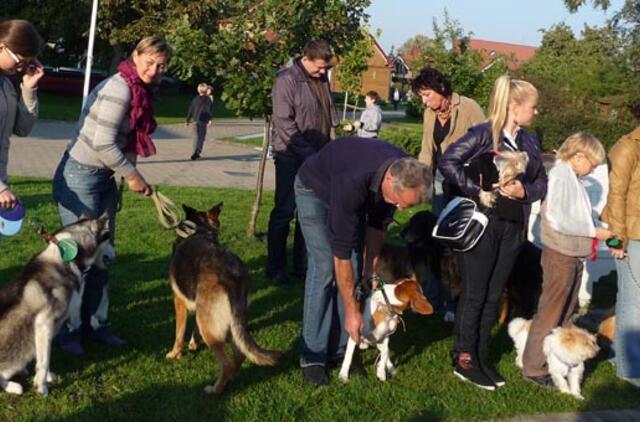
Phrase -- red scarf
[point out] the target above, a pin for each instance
(141, 118)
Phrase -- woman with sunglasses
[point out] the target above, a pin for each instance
(20, 43)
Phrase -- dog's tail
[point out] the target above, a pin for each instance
(247, 345)
(515, 326)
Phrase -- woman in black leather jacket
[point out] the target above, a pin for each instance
(486, 267)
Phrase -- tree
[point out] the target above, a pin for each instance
(254, 43)
(351, 67)
(582, 84)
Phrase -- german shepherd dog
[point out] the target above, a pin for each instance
(34, 306)
(212, 281)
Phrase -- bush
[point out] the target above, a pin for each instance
(415, 108)
(409, 140)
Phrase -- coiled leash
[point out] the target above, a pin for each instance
(166, 210)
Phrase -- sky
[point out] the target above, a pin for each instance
(512, 21)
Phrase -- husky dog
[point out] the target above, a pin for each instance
(34, 306)
(566, 349)
(214, 283)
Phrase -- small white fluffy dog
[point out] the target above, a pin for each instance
(566, 350)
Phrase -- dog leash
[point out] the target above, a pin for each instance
(390, 312)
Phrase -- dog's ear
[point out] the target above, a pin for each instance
(188, 211)
(84, 215)
(217, 209)
(213, 214)
(409, 293)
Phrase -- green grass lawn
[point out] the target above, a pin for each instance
(170, 108)
(138, 383)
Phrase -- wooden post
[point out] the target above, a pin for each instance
(251, 230)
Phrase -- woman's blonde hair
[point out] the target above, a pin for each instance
(584, 143)
(202, 88)
(154, 45)
(506, 91)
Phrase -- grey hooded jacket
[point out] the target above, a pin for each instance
(16, 118)
(296, 113)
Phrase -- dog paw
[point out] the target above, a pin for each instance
(193, 345)
(42, 389)
(213, 389)
(578, 396)
(52, 377)
(487, 198)
(174, 354)
(392, 371)
(381, 374)
(343, 377)
(13, 388)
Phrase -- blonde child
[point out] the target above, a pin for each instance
(200, 111)
(568, 231)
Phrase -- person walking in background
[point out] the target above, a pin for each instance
(568, 230)
(396, 98)
(303, 117)
(114, 128)
(621, 213)
(371, 119)
(20, 44)
(200, 111)
(486, 267)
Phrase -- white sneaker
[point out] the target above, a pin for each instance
(449, 316)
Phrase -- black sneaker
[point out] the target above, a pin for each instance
(494, 375)
(315, 375)
(542, 381)
(195, 157)
(467, 370)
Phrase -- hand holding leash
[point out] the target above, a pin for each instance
(512, 190)
(137, 184)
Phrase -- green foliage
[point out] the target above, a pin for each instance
(353, 63)
(583, 84)
(257, 41)
(448, 52)
(407, 137)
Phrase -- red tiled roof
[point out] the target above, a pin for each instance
(516, 54)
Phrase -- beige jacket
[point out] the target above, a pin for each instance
(464, 114)
(622, 211)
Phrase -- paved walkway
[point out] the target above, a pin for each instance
(223, 164)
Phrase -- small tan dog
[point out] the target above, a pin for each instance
(381, 318)
(566, 349)
(510, 165)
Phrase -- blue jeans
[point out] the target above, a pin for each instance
(627, 338)
(78, 189)
(323, 335)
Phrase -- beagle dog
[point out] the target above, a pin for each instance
(382, 314)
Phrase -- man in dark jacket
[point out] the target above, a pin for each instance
(303, 116)
(350, 188)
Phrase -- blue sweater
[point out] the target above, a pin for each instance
(347, 175)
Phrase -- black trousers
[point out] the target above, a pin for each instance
(283, 212)
(485, 270)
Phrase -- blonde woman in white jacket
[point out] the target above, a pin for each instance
(19, 46)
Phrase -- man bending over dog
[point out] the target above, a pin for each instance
(346, 195)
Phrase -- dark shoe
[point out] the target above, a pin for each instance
(467, 369)
(279, 277)
(542, 381)
(69, 343)
(315, 375)
(195, 157)
(104, 335)
(494, 375)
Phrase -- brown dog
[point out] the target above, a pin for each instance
(214, 283)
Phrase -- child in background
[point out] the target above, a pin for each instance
(200, 111)
(568, 231)
(371, 119)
